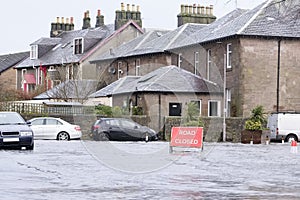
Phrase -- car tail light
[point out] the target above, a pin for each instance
(96, 127)
(77, 128)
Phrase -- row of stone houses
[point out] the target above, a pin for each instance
(228, 66)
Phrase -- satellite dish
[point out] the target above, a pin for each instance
(111, 70)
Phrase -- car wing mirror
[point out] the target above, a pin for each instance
(28, 123)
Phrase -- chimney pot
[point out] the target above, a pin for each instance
(186, 9)
(57, 19)
(137, 8)
(182, 9)
(71, 20)
(211, 10)
(194, 9)
(198, 9)
(128, 7)
(62, 20)
(133, 8)
(122, 7)
(207, 10)
(99, 13)
(190, 9)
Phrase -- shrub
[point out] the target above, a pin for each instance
(257, 119)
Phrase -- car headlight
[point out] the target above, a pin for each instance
(26, 133)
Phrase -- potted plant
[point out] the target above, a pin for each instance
(254, 126)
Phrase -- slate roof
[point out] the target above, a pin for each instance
(132, 46)
(111, 88)
(273, 18)
(10, 60)
(152, 42)
(71, 89)
(61, 47)
(169, 79)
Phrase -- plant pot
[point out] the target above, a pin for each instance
(251, 135)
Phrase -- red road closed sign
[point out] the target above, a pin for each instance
(187, 137)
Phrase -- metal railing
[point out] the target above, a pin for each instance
(35, 108)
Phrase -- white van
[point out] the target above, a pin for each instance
(284, 126)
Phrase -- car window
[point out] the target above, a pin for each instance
(7, 118)
(112, 122)
(128, 124)
(53, 122)
(37, 122)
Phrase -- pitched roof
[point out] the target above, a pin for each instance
(272, 18)
(162, 80)
(60, 49)
(152, 42)
(131, 46)
(71, 89)
(111, 88)
(10, 60)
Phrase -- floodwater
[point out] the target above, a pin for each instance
(138, 170)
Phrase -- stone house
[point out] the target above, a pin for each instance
(257, 49)
(165, 91)
(66, 54)
(7, 71)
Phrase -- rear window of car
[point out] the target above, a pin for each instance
(112, 122)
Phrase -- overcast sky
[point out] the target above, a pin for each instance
(24, 22)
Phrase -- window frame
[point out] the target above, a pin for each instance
(34, 51)
(218, 108)
(200, 105)
(229, 56)
(196, 61)
(78, 48)
(179, 60)
(209, 62)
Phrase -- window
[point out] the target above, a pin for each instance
(229, 56)
(137, 67)
(208, 63)
(120, 71)
(179, 60)
(228, 102)
(70, 72)
(198, 103)
(38, 76)
(34, 52)
(196, 64)
(53, 122)
(37, 122)
(214, 108)
(78, 46)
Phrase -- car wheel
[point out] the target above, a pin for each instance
(146, 137)
(291, 137)
(30, 147)
(63, 136)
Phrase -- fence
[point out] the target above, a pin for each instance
(35, 108)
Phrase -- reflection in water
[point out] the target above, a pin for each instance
(67, 170)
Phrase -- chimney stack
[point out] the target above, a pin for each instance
(195, 14)
(59, 26)
(123, 16)
(99, 19)
(86, 20)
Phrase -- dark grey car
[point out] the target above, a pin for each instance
(121, 129)
(14, 131)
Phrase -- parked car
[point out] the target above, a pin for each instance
(54, 128)
(121, 129)
(15, 132)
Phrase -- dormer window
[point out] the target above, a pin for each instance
(78, 46)
(34, 52)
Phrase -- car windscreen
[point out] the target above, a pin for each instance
(11, 118)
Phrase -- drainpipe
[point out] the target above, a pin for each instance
(278, 75)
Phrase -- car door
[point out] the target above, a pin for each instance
(131, 130)
(37, 127)
(113, 127)
(52, 128)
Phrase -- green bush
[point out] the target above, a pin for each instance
(257, 120)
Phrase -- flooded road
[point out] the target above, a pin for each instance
(138, 170)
